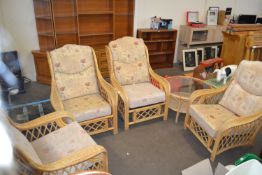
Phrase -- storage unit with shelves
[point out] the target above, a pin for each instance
(193, 38)
(85, 22)
(161, 46)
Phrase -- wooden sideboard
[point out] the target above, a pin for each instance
(161, 46)
(85, 22)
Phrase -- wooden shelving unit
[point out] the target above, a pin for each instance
(85, 22)
(161, 46)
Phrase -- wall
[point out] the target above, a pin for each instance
(20, 32)
(18, 20)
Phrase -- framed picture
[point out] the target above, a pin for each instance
(189, 59)
(213, 51)
(200, 55)
(214, 8)
(219, 49)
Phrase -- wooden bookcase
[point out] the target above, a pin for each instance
(85, 22)
(161, 46)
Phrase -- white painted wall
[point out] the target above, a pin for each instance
(18, 20)
(20, 30)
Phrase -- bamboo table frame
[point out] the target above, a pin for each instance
(181, 89)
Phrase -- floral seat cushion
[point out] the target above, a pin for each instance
(62, 143)
(88, 107)
(210, 117)
(143, 94)
(74, 71)
(129, 60)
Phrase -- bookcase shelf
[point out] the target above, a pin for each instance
(161, 46)
(85, 22)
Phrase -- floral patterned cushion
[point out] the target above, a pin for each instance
(240, 101)
(143, 94)
(244, 95)
(62, 143)
(22, 144)
(210, 117)
(88, 107)
(129, 59)
(249, 76)
(74, 71)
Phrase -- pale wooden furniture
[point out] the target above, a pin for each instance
(78, 87)
(161, 46)
(235, 38)
(254, 46)
(49, 146)
(143, 95)
(230, 116)
(181, 88)
(85, 22)
(193, 37)
(92, 173)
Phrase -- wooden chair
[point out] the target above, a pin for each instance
(231, 116)
(49, 146)
(143, 95)
(78, 87)
(253, 50)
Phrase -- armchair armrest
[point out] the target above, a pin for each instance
(43, 125)
(207, 96)
(238, 132)
(159, 82)
(95, 152)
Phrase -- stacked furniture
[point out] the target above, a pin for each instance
(85, 22)
(143, 95)
(254, 46)
(230, 116)
(49, 146)
(78, 87)
(235, 38)
(161, 46)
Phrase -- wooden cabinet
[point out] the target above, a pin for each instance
(161, 46)
(234, 46)
(85, 22)
(42, 68)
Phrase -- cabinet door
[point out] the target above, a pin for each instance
(42, 68)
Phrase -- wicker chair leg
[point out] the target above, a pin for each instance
(165, 112)
(187, 120)
(214, 151)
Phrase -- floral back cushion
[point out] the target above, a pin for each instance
(74, 71)
(129, 59)
(244, 95)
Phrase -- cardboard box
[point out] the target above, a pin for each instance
(204, 168)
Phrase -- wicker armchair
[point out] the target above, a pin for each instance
(231, 116)
(143, 95)
(78, 87)
(49, 146)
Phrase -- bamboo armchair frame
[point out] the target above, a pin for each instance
(96, 125)
(145, 113)
(236, 132)
(253, 46)
(42, 126)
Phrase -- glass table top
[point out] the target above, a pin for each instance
(184, 86)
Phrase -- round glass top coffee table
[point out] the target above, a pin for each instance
(181, 89)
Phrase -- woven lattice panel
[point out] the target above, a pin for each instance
(37, 132)
(96, 126)
(199, 131)
(147, 113)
